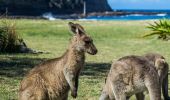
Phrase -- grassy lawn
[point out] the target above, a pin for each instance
(113, 39)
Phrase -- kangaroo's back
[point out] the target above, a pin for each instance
(130, 75)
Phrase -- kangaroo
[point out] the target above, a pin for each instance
(53, 79)
(131, 75)
(162, 68)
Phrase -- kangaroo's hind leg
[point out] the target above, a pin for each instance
(153, 86)
(118, 91)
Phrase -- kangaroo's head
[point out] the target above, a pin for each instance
(157, 59)
(81, 41)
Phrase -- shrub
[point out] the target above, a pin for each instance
(161, 28)
(9, 39)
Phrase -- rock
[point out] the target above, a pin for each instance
(38, 7)
(98, 6)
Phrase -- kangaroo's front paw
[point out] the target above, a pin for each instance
(74, 94)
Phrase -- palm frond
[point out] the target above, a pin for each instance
(160, 28)
(151, 34)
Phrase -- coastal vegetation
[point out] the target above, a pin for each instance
(160, 28)
(113, 40)
(10, 41)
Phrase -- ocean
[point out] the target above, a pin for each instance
(160, 14)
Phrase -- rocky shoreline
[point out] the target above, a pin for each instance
(79, 16)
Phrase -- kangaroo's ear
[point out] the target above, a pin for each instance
(76, 28)
(72, 27)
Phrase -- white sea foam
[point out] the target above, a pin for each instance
(161, 14)
(84, 19)
(49, 16)
(135, 15)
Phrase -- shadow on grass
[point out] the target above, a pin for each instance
(18, 67)
(96, 69)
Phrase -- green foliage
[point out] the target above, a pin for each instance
(161, 28)
(9, 39)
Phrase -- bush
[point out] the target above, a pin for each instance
(161, 28)
(9, 38)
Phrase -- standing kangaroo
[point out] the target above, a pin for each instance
(162, 68)
(131, 75)
(53, 79)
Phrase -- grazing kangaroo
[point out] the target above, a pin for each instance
(131, 75)
(162, 68)
(53, 79)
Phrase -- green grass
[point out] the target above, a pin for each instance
(113, 39)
